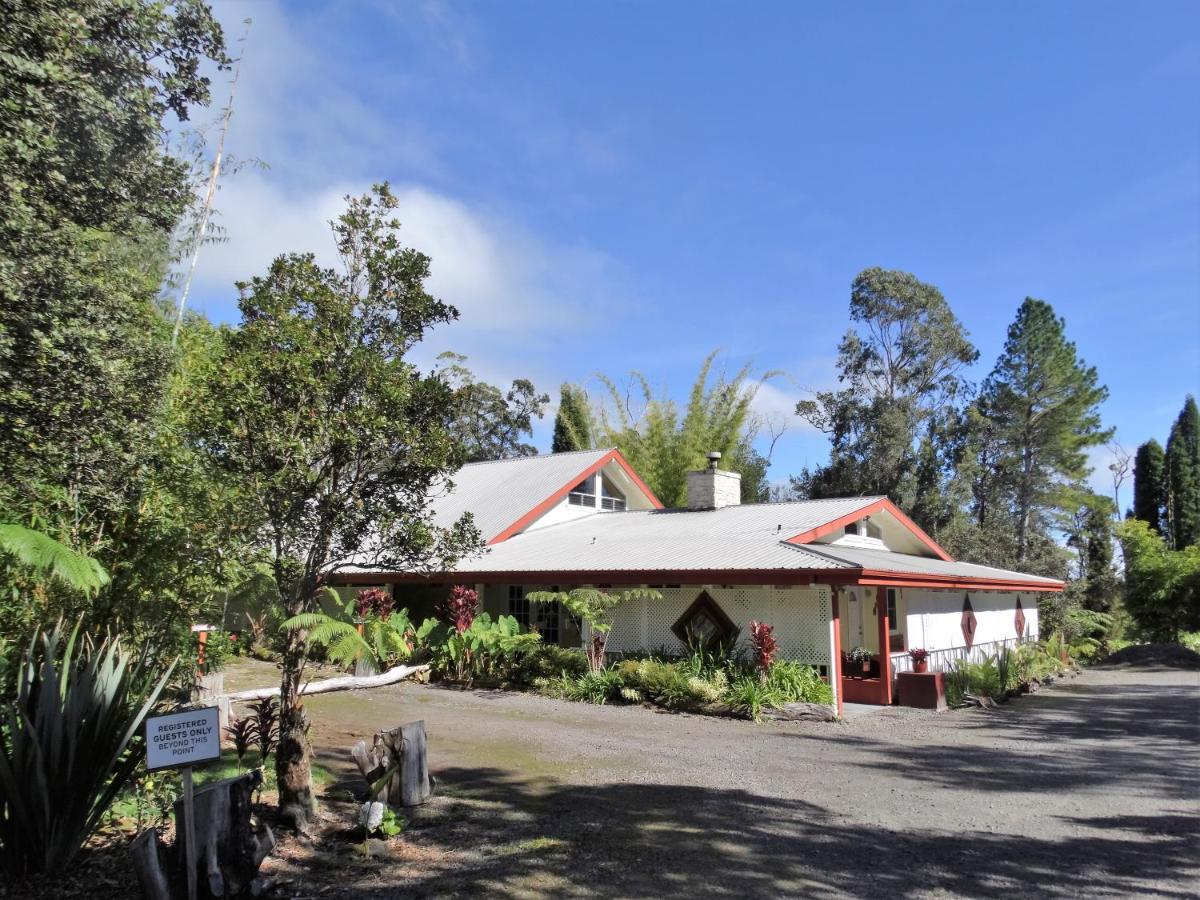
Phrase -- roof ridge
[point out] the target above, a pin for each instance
(536, 456)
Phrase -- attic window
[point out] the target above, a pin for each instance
(865, 528)
(584, 493)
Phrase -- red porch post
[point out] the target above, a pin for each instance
(835, 670)
(885, 650)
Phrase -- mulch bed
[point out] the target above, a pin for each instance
(1172, 656)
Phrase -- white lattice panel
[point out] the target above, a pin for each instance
(800, 615)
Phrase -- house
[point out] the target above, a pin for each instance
(829, 575)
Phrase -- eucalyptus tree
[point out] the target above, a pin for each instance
(335, 436)
(899, 365)
(489, 422)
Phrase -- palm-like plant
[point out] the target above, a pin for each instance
(47, 556)
(595, 607)
(382, 640)
(68, 744)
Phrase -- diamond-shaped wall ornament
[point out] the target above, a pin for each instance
(969, 622)
(1019, 619)
(704, 623)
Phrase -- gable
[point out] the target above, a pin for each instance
(899, 533)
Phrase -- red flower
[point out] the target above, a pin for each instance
(917, 654)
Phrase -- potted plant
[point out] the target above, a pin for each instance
(859, 660)
(920, 659)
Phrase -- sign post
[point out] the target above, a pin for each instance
(183, 740)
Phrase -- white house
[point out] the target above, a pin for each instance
(829, 575)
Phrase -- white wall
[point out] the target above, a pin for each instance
(934, 618)
(801, 617)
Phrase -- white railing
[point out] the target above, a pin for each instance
(944, 660)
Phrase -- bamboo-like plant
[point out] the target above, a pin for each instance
(68, 744)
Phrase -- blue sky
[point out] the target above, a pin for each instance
(616, 186)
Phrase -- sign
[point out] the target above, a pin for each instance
(187, 738)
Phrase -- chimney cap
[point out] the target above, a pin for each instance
(714, 457)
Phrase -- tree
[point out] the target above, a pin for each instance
(333, 433)
(573, 422)
(489, 423)
(1091, 536)
(1162, 585)
(1150, 486)
(595, 608)
(664, 446)
(1043, 403)
(1183, 476)
(900, 364)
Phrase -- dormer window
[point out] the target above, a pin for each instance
(865, 528)
(611, 497)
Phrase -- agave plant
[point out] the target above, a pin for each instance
(68, 744)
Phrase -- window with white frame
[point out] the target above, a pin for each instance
(530, 615)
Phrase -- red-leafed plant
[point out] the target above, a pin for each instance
(460, 607)
(918, 654)
(763, 644)
(373, 602)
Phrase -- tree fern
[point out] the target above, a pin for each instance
(48, 557)
(383, 642)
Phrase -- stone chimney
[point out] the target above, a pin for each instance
(713, 488)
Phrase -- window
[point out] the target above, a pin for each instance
(852, 528)
(584, 493)
(610, 497)
(704, 623)
(872, 530)
(893, 617)
(540, 616)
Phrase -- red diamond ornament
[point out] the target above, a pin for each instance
(969, 623)
(1019, 619)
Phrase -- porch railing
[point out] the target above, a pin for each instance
(944, 660)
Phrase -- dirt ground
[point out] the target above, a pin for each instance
(1091, 787)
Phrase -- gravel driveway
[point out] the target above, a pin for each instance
(1088, 788)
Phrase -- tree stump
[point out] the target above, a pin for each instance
(401, 752)
(148, 864)
(229, 848)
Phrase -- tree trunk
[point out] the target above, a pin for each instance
(293, 758)
(148, 864)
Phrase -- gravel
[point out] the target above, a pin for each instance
(1086, 788)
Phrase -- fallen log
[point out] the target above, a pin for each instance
(341, 683)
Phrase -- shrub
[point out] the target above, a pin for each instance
(460, 608)
(547, 660)
(68, 744)
(749, 694)
(486, 649)
(793, 682)
(763, 644)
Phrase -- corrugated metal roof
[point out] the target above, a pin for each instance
(500, 492)
(904, 563)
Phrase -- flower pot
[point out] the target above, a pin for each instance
(920, 665)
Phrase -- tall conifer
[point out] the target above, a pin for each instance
(1150, 486)
(1183, 476)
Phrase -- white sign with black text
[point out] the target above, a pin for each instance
(183, 739)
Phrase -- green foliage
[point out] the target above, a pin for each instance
(314, 410)
(48, 558)
(664, 443)
(573, 424)
(489, 423)
(488, 649)
(1183, 476)
(392, 823)
(594, 607)
(1041, 403)
(68, 744)
(546, 661)
(899, 366)
(1150, 486)
(384, 642)
(1162, 586)
(1086, 632)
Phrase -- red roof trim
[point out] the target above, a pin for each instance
(807, 537)
(707, 576)
(539, 510)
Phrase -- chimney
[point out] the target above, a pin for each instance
(713, 488)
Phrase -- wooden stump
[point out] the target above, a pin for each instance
(148, 864)
(229, 848)
(401, 752)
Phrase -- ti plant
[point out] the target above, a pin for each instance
(595, 608)
(264, 724)
(242, 733)
(69, 744)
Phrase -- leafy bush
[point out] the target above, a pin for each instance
(793, 682)
(386, 639)
(546, 661)
(749, 694)
(703, 658)
(763, 644)
(486, 649)
(68, 744)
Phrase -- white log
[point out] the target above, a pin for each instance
(341, 683)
